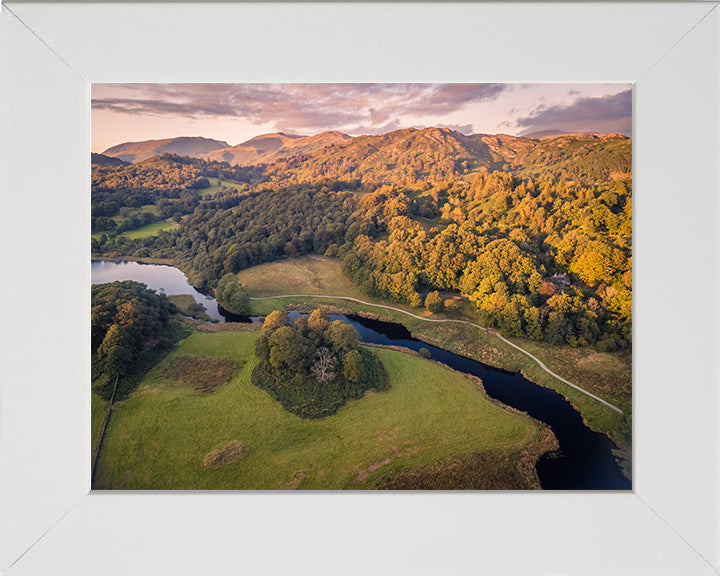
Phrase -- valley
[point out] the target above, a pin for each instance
(515, 252)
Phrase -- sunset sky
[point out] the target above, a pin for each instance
(237, 112)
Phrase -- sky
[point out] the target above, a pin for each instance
(235, 113)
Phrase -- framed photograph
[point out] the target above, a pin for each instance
(262, 311)
(663, 55)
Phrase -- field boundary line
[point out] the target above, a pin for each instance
(102, 434)
(486, 330)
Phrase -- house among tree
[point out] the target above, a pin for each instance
(561, 279)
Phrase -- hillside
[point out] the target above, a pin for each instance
(406, 156)
(183, 146)
(102, 160)
(268, 148)
(537, 233)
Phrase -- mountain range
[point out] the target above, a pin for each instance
(269, 148)
(194, 146)
(414, 153)
(263, 149)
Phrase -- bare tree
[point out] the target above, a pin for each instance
(324, 366)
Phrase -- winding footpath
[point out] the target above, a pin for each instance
(493, 332)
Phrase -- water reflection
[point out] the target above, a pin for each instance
(165, 279)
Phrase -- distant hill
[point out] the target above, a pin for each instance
(405, 155)
(182, 146)
(432, 153)
(269, 148)
(543, 134)
(537, 232)
(103, 160)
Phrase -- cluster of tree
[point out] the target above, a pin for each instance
(586, 159)
(231, 295)
(172, 183)
(250, 230)
(418, 211)
(498, 239)
(408, 157)
(114, 226)
(127, 320)
(135, 185)
(313, 366)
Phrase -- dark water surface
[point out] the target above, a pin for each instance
(584, 460)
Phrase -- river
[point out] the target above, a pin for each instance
(584, 461)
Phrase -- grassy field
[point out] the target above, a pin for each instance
(216, 185)
(98, 409)
(143, 232)
(159, 436)
(148, 230)
(306, 275)
(187, 305)
(151, 208)
(607, 375)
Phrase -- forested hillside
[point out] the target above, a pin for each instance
(186, 146)
(537, 233)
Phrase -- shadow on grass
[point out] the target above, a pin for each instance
(150, 358)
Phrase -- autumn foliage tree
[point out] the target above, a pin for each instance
(434, 302)
(493, 218)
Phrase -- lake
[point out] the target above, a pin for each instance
(164, 279)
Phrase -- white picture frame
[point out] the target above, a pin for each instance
(50, 523)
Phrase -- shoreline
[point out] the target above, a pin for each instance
(623, 452)
(141, 260)
(544, 442)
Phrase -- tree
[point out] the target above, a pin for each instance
(343, 337)
(354, 367)
(262, 348)
(314, 379)
(127, 319)
(301, 324)
(434, 302)
(533, 329)
(231, 295)
(115, 355)
(318, 321)
(275, 320)
(510, 323)
(287, 349)
(324, 366)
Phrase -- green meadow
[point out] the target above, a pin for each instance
(149, 229)
(159, 437)
(216, 185)
(608, 375)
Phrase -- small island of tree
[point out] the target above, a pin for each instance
(313, 366)
(231, 295)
